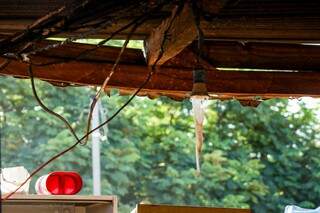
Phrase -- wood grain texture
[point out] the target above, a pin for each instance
(276, 27)
(243, 19)
(82, 203)
(175, 82)
(253, 55)
(73, 50)
(171, 36)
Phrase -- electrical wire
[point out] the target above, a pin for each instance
(137, 22)
(102, 88)
(196, 14)
(33, 173)
(80, 55)
(150, 74)
(45, 108)
(83, 137)
(101, 43)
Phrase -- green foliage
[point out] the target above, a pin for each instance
(135, 44)
(263, 158)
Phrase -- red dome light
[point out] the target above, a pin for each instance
(59, 183)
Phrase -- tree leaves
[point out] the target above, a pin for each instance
(264, 158)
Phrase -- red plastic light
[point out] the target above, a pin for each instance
(60, 183)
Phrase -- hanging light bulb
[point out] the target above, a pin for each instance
(198, 108)
(199, 96)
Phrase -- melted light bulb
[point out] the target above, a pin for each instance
(198, 108)
(199, 97)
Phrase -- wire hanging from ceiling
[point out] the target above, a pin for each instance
(150, 74)
(106, 81)
(45, 108)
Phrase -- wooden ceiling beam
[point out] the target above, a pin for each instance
(29, 8)
(212, 7)
(171, 36)
(272, 7)
(253, 55)
(303, 28)
(73, 50)
(261, 28)
(244, 19)
(176, 32)
(177, 82)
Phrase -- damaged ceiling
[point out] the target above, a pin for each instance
(250, 49)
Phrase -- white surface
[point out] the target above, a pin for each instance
(11, 178)
(96, 167)
(297, 209)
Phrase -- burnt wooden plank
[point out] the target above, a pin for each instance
(213, 7)
(178, 82)
(304, 27)
(271, 7)
(171, 36)
(75, 16)
(11, 26)
(253, 55)
(29, 8)
(176, 32)
(243, 19)
(37, 8)
(93, 54)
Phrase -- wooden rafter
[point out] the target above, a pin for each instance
(177, 82)
(302, 28)
(286, 29)
(171, 36)
(237, 36)
(176, 32)
(253, 55)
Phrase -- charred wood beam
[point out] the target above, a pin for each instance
(272, 7)
(213, 7)
(252, 55)
(304, 28)
(36, 8)
(241, 19)
(301, 28)
(177, 82)
(71, 51)
(72, 17)
(171, 36)
(176, 32)
(29, 8)
(10, 26)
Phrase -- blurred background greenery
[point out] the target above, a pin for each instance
(264, 158)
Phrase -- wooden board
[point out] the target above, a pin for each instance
(93, 54)
(171, 36)
(253, 55)
(177, 82)
(65, 203)
(243, 19)
(143, 208)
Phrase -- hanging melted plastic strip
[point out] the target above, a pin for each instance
(198, 108)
